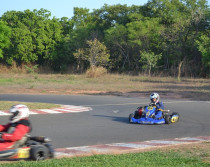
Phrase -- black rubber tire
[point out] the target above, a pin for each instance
(167, 119)
(51, 152)
(39, 152)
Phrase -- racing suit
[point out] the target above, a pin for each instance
(159, 107)
(13, 132)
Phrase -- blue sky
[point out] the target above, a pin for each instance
(61, 8)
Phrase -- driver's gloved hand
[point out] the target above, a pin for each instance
(152, 104)
(152, 116)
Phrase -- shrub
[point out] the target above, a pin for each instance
(94, 72)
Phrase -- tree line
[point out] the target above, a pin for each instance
(162, 36)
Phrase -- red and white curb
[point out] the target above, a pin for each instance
(117, 148)
(62, 109)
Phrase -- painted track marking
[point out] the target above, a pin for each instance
(125, 147)
(62, 109)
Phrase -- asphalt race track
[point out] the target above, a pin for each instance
(107, 122)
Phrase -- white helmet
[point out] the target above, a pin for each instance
(18, 112)
(154, 96)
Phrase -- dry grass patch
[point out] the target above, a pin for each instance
(109, 84)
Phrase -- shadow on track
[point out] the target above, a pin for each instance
(117, 119)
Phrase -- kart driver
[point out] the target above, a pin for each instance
(13, 133)
(155, 100)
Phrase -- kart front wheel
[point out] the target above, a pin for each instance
(174, 117)
(38, 152)
(130, 118)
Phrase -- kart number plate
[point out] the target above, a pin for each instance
(23, 153)
(174, 119)
(150, 108)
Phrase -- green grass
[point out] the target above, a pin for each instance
(145, 159)
(6, 105)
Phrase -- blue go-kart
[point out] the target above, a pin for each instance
(146, 115)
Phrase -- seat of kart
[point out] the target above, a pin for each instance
(21, 142)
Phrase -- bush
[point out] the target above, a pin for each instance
(94, 72)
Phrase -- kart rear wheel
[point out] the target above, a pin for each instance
(167, 119)
(130, 118)
(38, 153)
(136, 114)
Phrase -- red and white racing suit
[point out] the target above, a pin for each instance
(13, 132)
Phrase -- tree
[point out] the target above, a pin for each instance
(110, 15)
(182, 22)
(34, 36)
(76, 32)
(96, 54)
(204, 47)
(116, 39)
(5, 33)
(144, 35)
(178, 29)
(149, 59)
(24, 45)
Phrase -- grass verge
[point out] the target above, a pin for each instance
(177, 157)
(6, 105)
